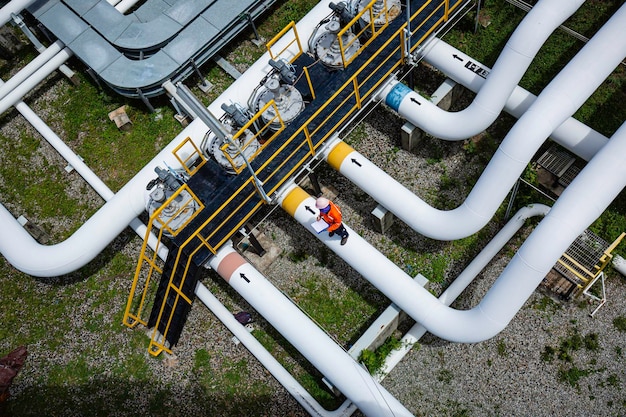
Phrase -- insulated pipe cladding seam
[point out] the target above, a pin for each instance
(518, 53)
(558, 101)
(315, 345)
(571, 134)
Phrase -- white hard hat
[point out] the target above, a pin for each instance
(321, 202)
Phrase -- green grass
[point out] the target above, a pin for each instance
(373, 360)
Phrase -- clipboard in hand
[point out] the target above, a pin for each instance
(319, 226)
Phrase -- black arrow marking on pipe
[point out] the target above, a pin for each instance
(414, 100)
(455, 56)
(309, 209)
(354, 161)
(242, 275)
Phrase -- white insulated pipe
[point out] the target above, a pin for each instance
(570, 216)
(79, 166)
(43, 65)
(579, 138)
(297, 391)
(329, 358)
(559, 100)
(11, 8)
(466, 277)
(30, 68)
(382, 273)
(31, 82)
(604, 178)
(27, 255)
(518, 53)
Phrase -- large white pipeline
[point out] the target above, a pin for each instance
(329, 358)
(27, 255)
(11, 8)
(571, 215)
(79, 166)
(260, 353)
(579, 138)
(466, 277)
(559, 100)
(518, 53)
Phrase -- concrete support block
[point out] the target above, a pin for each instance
(383, 219)
(205, 86)
(443, 97)
(382, 327)
(410, 136)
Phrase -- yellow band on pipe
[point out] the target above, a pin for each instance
(293, 200)
(338, 154)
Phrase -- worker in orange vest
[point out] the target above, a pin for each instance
(331, 215)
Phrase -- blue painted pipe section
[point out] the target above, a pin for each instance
(396, 95)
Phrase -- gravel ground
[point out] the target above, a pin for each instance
(507, 375)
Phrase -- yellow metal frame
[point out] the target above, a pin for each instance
(586, 276)
(193, 156)
(352, 86)
(352, 89)
(135, 307)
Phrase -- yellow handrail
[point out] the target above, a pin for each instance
(307, 138)
(258, 136)
(353, 90)
(275, 39)
(193, 156)
(134, 307)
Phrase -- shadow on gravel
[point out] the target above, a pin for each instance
(113, 397)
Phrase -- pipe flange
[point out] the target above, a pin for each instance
(328, 50)
(287, 98)
(177, 212)
(229, 157)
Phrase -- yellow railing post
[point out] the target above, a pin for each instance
(357, 95)
(308, 80)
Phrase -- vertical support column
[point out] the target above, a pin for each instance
(315, 184)
(258, 40)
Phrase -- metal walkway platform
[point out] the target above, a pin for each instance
(339, 94)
